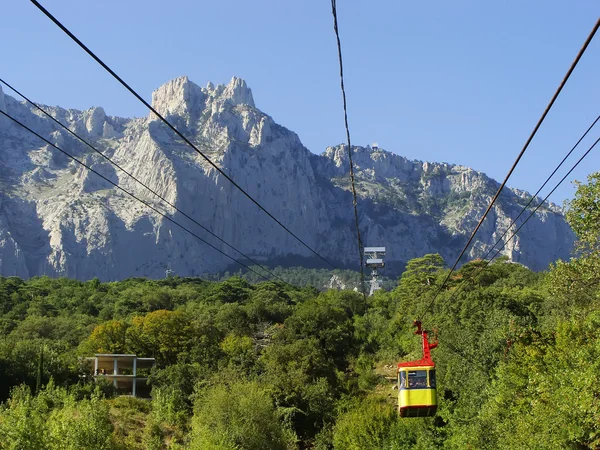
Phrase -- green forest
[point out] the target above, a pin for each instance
(272, 366)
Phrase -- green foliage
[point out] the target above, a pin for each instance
(170, 406)
(168, 336)
(303, 383)
(154, 436)
(372, 423)
(310, 279)
(55, 420)
(238, 414)
(363, 367)
(583, 213)
(82, 424)
(22, 422)
(574, 286)
(240, 350)
(129, 416)
(420, 273)
(328, 319)
(547, 392)
(19, 363)
(163, 334)
(257, 366)
(364, 426)
(109, 337)
(233, 290)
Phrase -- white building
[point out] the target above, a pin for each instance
(128, 373)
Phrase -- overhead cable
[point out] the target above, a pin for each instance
(541, 203)
(534, 196)
(531, 136)
(480, 269)
(486, 263)
(137, 180)
(166, 216)
(172, 127)
(360, 244)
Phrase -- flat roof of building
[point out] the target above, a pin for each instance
(119, 355)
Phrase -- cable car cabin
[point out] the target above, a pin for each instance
(417, 394)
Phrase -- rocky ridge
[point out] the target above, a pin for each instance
(58, 219)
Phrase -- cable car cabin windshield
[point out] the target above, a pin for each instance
(417, 379)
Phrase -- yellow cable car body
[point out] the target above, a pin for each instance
(417, 393)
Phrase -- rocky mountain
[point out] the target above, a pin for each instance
(58, 219)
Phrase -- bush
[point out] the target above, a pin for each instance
(22, 421)
(81, 425)
(239, 415)
(365, 426)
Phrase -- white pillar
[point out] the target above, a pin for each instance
(96, 366)
(115, 371)
(134, 374)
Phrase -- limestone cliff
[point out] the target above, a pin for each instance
(58, 219)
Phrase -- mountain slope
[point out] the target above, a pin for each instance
(57, 219)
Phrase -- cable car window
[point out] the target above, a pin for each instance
(417, 379)
(432, 378)
(402, 382)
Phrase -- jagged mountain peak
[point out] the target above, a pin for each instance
(184, 98)
(95, 118)
(179, 97)
(236, 92)
(57, 219)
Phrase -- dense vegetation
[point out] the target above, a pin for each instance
(269, 366)
(318, 278)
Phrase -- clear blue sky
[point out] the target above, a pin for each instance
(462, 82)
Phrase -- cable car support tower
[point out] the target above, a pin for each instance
(374, 261)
